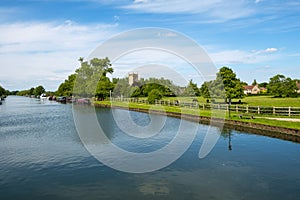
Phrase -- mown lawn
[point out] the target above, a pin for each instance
(271, 101)
(206, 113)
(251, 101)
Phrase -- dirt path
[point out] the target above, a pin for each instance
(283, 119)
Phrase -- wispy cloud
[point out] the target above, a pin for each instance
(47, 51)
(244, 57)
(217, 9)
(270, 50)
(50, 36)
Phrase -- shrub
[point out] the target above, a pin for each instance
(153, 95)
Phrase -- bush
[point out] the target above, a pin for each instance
(153, 95)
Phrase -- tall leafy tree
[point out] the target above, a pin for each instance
(281, 86)
(91, 78)
(254, 82)
(104, 87)
(2, 91)
(121, 88)
(66, 88)
(263, 84)
(191, 89)
(38, 90)
(226, 85)
(204, 89)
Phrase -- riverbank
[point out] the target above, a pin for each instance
(283, 130)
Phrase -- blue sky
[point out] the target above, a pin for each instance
(41, 40)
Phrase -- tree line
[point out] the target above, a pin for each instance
(90, 80)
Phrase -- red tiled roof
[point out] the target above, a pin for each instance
(248, 87)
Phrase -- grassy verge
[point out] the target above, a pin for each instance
(271, 101)
(204, 113)
(267, 101)
(270, 122)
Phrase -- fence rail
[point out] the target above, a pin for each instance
(257, 110)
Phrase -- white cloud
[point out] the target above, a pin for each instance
(242, 57)
(270, 50)
(29, 37)
(140, 1)
(38, 51)
(220, 9)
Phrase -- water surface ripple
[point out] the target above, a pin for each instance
(41, 157)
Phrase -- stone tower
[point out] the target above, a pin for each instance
(133, 78)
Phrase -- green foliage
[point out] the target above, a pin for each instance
(91, 78)
(225, 86)
(254, 82)
(191, 89)
(226, 79)
(122, 88)
(281, 86)
(2, 91)
(244, 83)
(263, 84)
(147, 88)
(38, 90)
(204, 90)
(135, 91)
(104, 88)
(66, 88)
(153, 95)
(143, 87)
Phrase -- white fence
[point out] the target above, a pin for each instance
(258, 110)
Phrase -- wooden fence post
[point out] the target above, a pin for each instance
(274, 110)
(258, 110)
(289, 111)
(247, 109)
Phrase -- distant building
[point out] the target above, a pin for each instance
(133, 78)
(298, 86)
(253, 89)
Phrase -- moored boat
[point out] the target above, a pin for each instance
(43, 96)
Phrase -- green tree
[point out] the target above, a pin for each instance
(191, 89)
(263, 84)
(91, 78)
(30, 91)
(66, 88)
(121, 87)
(154, 94)
(204, 90)
(104, 87)
(148, 87)
(281, 86)
(135, 91)
(254, 82)
(244, 83)
(226, 85)
(38, 90)
(2, 91)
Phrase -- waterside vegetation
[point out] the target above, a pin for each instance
(90, 81)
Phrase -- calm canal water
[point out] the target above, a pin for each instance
(42, 157)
